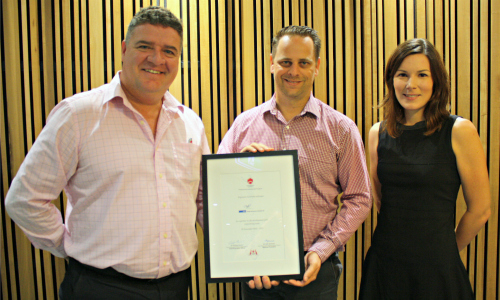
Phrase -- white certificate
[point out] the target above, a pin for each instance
(252, 216)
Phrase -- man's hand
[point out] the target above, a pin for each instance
(256, 147)
(257, 283)
(313, 264)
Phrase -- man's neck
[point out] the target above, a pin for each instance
(290, 108)
(150, 110)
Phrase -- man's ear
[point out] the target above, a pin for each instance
(272, 63)
(124, 48)
(316, 72)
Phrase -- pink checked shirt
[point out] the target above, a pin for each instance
(132, 199)
(331, 161)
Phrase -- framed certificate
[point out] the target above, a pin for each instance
(252, 216)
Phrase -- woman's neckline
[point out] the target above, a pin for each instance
(418, 125)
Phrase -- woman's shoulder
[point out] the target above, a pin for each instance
(374, 131)
(463, 129)
(376, 127)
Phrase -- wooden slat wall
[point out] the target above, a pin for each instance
(52, 49)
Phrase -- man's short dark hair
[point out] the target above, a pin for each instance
(303, 31)
(154, 15)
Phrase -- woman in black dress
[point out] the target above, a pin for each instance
(419, 157)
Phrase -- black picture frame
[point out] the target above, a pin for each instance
(218, 206)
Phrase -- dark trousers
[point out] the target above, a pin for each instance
(86, 282)
(324, 287)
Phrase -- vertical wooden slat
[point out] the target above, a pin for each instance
(350, 102)
(67, 49)
(108, 75)
(390, 28)
(286, 14)
(360, 118)
(438, 29)
(96, 37)
(248, 55)
(205, 88)
(367, 95)
(24, 250)
(476, 257)
(223, 57)
(430, 21)
(320, 26)
(401, 9)
(267, 37)
(259, 54)
(421, 19)
(230, 63)
(77, 46)
(176, 86)
(213, 73)
(16, 149)
(117, 35)
(328, 61)
(204, 45)
(409, 15)
(462, 89)
(452, 57)
(85, 47)
(339, 59)
(194, 55)
(237, 57)
(493, 77)
(296, 13)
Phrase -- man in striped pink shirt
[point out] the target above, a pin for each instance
(128, 156)
(331, 162)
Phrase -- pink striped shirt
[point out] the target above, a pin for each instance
(133, 199)
(331, 161)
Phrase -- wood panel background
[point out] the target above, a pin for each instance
(52, 49)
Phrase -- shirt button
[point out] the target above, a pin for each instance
(161, 175)
(287, 127)
(164, 263)
(142, 122)
(165, 235)
(164, 204)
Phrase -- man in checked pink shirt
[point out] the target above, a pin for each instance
(128, 156)
(331, 161)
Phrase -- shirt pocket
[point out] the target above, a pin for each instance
(187, 159)
(319, 171)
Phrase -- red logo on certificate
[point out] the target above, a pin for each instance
(253, 252)
(250, 180)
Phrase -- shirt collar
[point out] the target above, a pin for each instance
(311, 106)
(116, 91)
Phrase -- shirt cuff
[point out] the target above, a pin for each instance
(325, 248)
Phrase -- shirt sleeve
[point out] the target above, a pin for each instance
(45, 171)
(199, 200)
(356, 199)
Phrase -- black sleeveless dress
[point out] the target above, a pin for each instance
(414, 252)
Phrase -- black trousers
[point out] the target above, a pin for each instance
(86, 282)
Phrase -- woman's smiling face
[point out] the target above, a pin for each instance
(413, 86)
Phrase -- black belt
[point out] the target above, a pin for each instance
(117, 275)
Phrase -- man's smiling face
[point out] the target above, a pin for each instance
(150, 61)
(294, 67)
